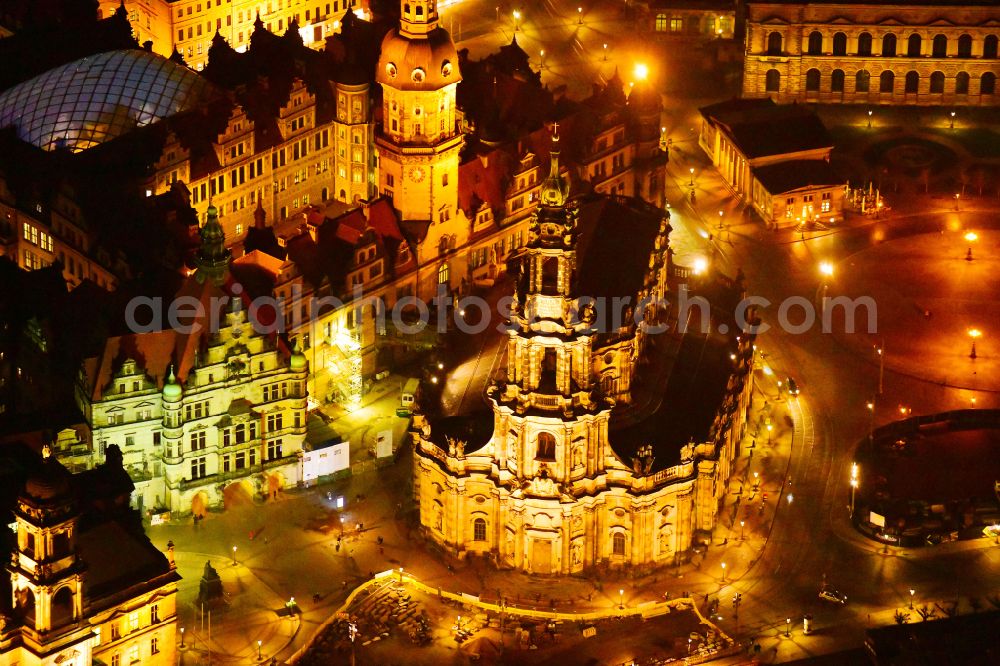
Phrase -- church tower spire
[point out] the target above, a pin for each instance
(212, 260)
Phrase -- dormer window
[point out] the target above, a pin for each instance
(417, 75)
(446, 69)
(390, 69)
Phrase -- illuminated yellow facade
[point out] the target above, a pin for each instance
(189, 25)
(419, 141)
(59, 616)
(546, 493)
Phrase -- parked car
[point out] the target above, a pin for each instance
(793, 388)
(833, 596)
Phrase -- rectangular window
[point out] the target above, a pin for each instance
(116, 659)
(133, 621)
(197, 468)
(274, 449)
(154, 645)
(275, 422)
(198, 440)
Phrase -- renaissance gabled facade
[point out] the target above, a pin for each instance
(551, 491)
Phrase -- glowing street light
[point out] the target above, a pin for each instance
(951, 124)
(723, 572)
(854, 484)
(234, 556)
(870, 112)
(770, 428)
(182, 638)
(721, 215)
(517, 20)
(621, 599)
(700, 266)
(826, 268)
(975, 334)
(912, 592)
(579, 13)
(756, 480)
(742, 523)
(788, 627)
(641, 71)
(258, 650)
(691, 183)
(542, 55)
(971, 237)
(605, 53)
(881, 366)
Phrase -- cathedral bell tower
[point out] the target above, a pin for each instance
(418, 143)
(46, 575)
(550, 407)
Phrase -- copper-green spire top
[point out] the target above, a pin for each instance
(555, 189)
(213, 258)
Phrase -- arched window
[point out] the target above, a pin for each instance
(962, 83)
(444, 274)
(406, 8)
(772, 80)
(990, 46)
(815, 43)
(661, 23)
(774, 44)
(937, 82)
(420, 10)
(546, 446)
(889, 45)
(62, 607)
(840, 44)
(241, 433)
(865, 44)
(837, 81)
(912, 82)
(988, 83)
(24, 599)
(885, 81)
(812, 80)
(913, 46)
(965, 46)
(479, 529)
(618, 544)
(550, 275)
(939, 47)
(862, 80)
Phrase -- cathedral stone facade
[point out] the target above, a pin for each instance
(548, 483)
(926, 53)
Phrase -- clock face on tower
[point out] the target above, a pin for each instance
(416, 174)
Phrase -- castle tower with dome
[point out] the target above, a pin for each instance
(419, 142)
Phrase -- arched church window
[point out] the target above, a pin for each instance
(618, 543)
(479, 530)
(420, 10)
(546, 446)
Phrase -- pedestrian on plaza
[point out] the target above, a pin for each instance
(338, 545)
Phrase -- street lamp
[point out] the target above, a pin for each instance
(742, 523)
(621, 599)
(641, 71)
(542, 55)
(723, 572)
(871, 421)
(579, 13)
(605, 53)
(182, 638)
(971, 237)
(234, 556)
(854, 484)
(881, 367)
(258, 650)
(974, 333)
(517, 19)
(770, 428)
(870, 118)
(826, 268)
(788, 620)
(951, 124)
(912, 592)
(756, 482)
(721, 214)
(691, 183)
(400, 574)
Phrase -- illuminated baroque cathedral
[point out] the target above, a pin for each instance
(550, 483)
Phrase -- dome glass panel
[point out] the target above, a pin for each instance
(89, 101)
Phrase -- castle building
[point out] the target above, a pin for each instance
(85, 588)
(932, 52)
(188, 26)
(570, 471)
(209, 413)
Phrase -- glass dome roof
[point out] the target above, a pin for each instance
(89, 101)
